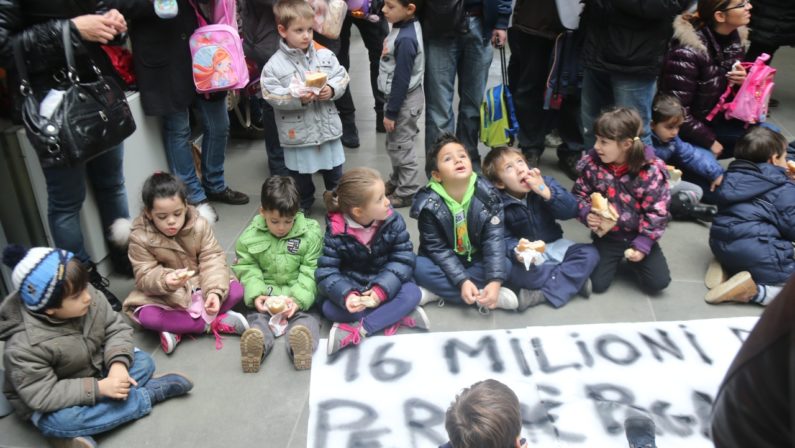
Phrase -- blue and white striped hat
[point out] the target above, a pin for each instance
(38, 275)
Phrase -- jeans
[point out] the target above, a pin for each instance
(469, 57)
(380, 317)
(66, 191)
(306, 186)
(431, 277)
(601, 90)
(176, 135)
(106, 414)
(272, 145)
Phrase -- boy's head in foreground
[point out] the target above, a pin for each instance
(507, 169)
(484, 415)
(448, 161)
(279, 203)
(294, 22)
(760, 145)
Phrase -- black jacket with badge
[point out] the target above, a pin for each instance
(484, 225)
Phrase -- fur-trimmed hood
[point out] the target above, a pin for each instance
(686, 34)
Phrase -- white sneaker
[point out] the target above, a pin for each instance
(507, 299)
(427, 296)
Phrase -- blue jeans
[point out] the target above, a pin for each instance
(601, 90)
(106, 414)
(431, 277)
(384, 315)
(176, 135)
(468, 56)
(66, 191)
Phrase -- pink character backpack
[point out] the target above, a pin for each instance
(217, 51)
(750, 102)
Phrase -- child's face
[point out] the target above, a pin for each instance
(779, 160)
(395, 12)
(73, 306)
(376, 208)
(667, 130)
(512, 172)
(452, 164)
(279, 225)
(298, 34)
(612, 151)
(168, 215)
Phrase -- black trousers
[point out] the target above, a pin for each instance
(652, 272)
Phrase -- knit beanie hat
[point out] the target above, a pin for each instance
(38, 273)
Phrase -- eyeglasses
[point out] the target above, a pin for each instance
(740, 6)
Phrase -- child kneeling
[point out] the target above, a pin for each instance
(70, 363)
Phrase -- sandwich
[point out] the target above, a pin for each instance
(315, 79)
(791, 167)
(674, 174)
(601, 207)
(525, 244)
(276, 304)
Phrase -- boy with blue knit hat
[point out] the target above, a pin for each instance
(70, 363)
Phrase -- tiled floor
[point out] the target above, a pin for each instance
(228, 408)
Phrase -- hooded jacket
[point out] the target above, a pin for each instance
(694, 71)
(52, 364)
(755, 225)
(681, 154)
(153, 255)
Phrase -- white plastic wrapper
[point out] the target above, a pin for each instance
(297, 87)
(278, 323)
(530, 257)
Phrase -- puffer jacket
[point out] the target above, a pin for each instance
(773, 23)
(272, 266)
(627, 36)
(755, 225)
(641, 200)
(153, 255)
(347, 265)
(258, 31)
(681, 154)
(303, 124)
(52, 364)
(694, 71)
(536, 219)
(484, 224)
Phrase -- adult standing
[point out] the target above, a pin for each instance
(163, 67)
(772, 26)
(37, 26)
(625, 41)
(458, 36)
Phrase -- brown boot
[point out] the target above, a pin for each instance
(739, 288)
(715, 274)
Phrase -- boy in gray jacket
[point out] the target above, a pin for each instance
(70, 364)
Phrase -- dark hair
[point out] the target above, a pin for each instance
(665, 108)
(354, 190)
(619, 124)
(490, 169)
(162, 185)
(759, 145)
(287, 11)
(485, 415)
(417, 4)
(74, 282)
(280, 193)
(445, 138)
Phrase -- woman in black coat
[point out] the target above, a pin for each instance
(772, 26)
(37, 26)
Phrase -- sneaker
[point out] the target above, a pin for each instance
(507, 299)
(568, 164)
(426, 296)
(342, 335)
(169, 341)
(417, 319)
(389, 188)
(167, 385)
(739, 288)
(76, 442)
(231, 322)
(350, 135)
(229, 196)
(640, 432)
(101, 284)
(587, 289)
(166, 9)
(400, 201)
(300, 340)
(529, 298)
(252, 350)
(704, 212)
(715, 274)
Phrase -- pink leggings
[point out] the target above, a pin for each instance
(179, 321)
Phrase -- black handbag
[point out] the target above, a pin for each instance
(91, 118)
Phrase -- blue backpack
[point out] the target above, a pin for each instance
(498, 124)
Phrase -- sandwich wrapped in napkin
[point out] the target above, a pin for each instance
(600, 207)
(368, 301)
(278, 307)
(531, 252)
(313, 83)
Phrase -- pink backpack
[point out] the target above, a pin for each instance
(750, 102)
(217, 51)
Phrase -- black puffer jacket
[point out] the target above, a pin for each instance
(259, 33)
(485, 226)
(628, 36)
(773, 22)
(695, 72)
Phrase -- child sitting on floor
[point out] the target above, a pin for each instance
(532, 203)
(276, 260)
(70, 363)
(752, 234)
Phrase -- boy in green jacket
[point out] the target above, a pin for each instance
(276, 261)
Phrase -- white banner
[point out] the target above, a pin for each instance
(577, 383)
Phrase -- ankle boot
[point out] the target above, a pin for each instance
(681, 206)
(703, 212)
(101, 284)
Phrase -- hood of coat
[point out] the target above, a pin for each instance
(193, 214)
(336, 222)
(686, 34)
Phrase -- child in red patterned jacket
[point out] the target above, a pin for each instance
(634, 181)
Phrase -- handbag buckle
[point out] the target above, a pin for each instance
(103, 116)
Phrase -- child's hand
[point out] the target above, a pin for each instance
(490, 293)
(469, 292)
(716, 148)
(325, 93)
(536, 183)
(212, 304)
(634, 255)
(259, 304)
(117, 384)
(349, 305)
(737, 74)
(594, 221)
(389, 125)
(292, 307)
(176, 278)
(716, 183)
(307, 97)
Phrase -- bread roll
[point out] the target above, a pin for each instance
(629, 253)
(316, 79)
(791, 166)
(673, 173)
(538, 246)
(601, 207)
(276, 304)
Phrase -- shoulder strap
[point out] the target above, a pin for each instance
(721, 103)
(199, 16)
